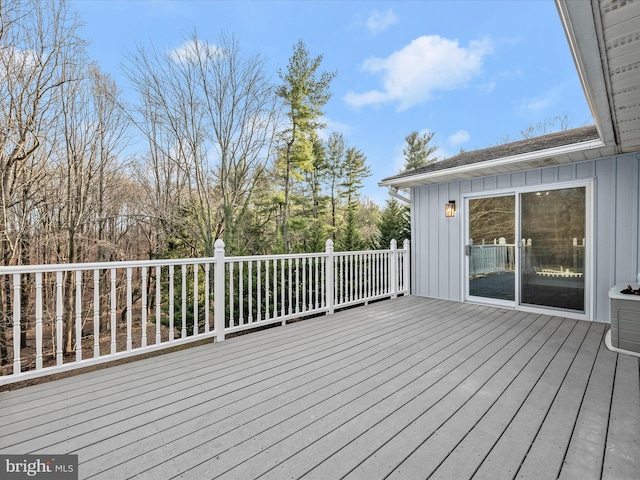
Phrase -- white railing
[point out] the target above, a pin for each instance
(71, 316)
(486, 259)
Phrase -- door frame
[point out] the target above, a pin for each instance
(589, 266)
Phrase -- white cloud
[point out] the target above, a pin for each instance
(378, 22)
(458, 138)
(191, 49)
(428, 64)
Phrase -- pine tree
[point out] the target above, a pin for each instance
(395, 222)
(305, 91)
(417, 152)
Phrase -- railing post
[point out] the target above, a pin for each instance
(219, 290)
(393, 268)
(406, 271)
(330, 277)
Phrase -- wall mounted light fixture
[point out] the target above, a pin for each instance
(450, 209)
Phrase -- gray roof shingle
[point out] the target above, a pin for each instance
(529, 145)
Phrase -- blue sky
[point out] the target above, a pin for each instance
(470, 71)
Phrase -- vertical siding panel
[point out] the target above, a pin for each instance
(503, 181)
(420, 245)
(444, 252)
(490, 183)
(455, 247)
(585, 170)
(626, 244)
(566, 173)
(433, 233)
(416, 223)
(549, 175)
(516, 179)
(604, 266)
(477, 185)
(532, 177)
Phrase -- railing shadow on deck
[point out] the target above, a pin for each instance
(66, 317)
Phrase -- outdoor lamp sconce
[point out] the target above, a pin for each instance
(450, 209)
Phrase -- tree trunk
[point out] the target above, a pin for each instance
(285, 210)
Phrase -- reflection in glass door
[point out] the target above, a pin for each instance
(491, 247)
(553, 231)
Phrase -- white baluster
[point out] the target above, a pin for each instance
(38, 320)
(17, 368)
(158, 303)
(207, 296)
(129, 308)
(58, 318)
(297, 285)
(250, 274)
(290, 287)
(143, 272)
(241, 294)
(78, 316)
(231, 298)
(171, 303)
(259, 291)
(113, 311)
(195, 299)
(183, 304)
(96, 313)
(282, 282)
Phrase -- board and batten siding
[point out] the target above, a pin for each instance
(438, 244)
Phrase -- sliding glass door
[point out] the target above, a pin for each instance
(528, 249)
(491, 247)
(552, 260)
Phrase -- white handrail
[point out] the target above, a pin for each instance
(158, 304)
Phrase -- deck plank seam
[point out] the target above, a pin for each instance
(522, 404)
(91, 404)
(493, 404)
(452, 315)
(462, 404)
(405, 386)
(575, 356)
(440, 399)
(352, 385)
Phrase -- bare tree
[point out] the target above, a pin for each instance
(38, 41)
(209, 115)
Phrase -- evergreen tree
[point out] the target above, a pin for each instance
(355, 170)
(351, 240)
(417, 152)
(305, 91)
(395, 222)
(335, 166)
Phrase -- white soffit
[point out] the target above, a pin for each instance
(604, 37)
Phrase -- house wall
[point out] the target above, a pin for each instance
(438, 244)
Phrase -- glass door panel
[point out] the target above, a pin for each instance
(491, 247)
(552, 226)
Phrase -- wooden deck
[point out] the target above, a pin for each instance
(410, 388)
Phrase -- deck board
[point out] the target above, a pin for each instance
(404, 388)
(548, 449)
(622, 453)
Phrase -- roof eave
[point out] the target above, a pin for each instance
(479, 168)
(584, 35)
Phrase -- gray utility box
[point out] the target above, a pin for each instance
(625, 318)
